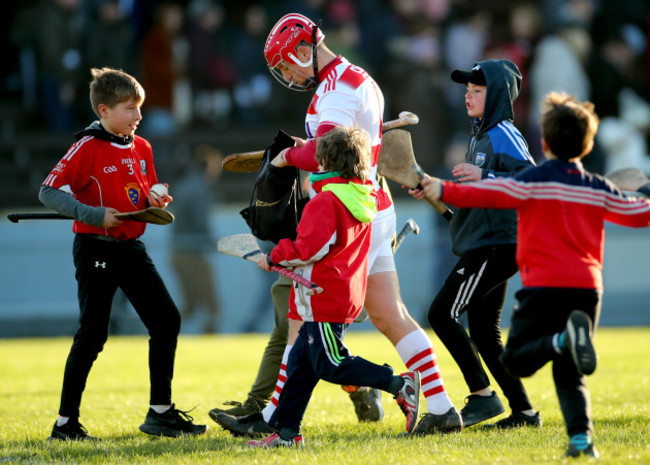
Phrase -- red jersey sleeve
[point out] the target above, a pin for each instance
(304, 157)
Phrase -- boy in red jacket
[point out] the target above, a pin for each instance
(332, 249)
(562, 209)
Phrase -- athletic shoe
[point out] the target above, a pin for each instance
(573, 451)
(408, 398)
(71, 431)
(519, 419)
(367, 402)
(449, 422)
(250, 405)
(275, 440)
(172, 423)
(480, 408)
(252, 425)
(578, 340)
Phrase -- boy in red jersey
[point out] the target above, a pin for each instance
(562, 209)
(332, 249)
(107, 171)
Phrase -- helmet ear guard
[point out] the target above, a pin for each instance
(289, 32)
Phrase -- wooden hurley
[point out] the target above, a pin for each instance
(250, 162)
(245, 246)
(630, 180)
(153, 215)
(397, 163)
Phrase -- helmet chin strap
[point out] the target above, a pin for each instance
(314, 51)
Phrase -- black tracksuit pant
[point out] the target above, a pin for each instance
(101, 267)
(541, 313)
(319, 353)
(477, 285)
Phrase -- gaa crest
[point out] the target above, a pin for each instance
(133, 191)
(480, 159)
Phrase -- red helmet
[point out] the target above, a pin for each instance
(289, 32)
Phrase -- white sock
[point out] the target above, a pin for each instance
(160, 408)
(416, 351)
(282, 377)
(60, 421)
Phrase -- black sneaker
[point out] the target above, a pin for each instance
(574, 452)
(252, 425)
(480, 408)
(519, 419)
(449, 422)
(173, 423)
(367, 402)
(578, 340)
(250, 405)
(71, 431)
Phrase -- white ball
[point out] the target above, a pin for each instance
(158, 190)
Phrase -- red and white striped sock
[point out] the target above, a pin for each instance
(282, 377)
(416, 351)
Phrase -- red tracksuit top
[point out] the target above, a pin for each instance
(561, 213)
(331, 250)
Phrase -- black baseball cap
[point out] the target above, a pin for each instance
(475, 76)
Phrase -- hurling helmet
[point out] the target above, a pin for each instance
(290, 31)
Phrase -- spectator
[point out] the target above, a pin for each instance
(54, 52)
(211, 68)
(192, 237)
(161, 68)
(570, 46)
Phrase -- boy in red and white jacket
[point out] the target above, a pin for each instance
(561, 209)
(331, 248)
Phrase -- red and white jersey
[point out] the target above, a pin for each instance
(106, 174)
(346, 96)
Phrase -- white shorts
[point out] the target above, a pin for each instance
(380, 257)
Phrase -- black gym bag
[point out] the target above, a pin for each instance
(277, 200)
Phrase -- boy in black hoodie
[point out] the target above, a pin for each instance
(485, 240)
(110, 170)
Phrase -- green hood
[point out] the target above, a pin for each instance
(357, 198)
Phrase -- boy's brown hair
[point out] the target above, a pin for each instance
(346, 150)
(112, 87)
(568, 125)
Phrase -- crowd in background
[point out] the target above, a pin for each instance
(202, 66)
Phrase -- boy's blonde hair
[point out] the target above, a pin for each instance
(346, 150)
(112, 87)
(568, 125)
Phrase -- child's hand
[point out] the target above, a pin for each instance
(160, 201)
(416, 193)
(432, 187)
(110, 221)
(262, 263)
(464, 172)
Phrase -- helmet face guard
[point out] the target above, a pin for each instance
(307, 83)
(289, 32)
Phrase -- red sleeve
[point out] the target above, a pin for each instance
(628, 211)
(502, 193)
(304, 157)
(316, 233)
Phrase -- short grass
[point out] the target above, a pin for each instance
(210, 370)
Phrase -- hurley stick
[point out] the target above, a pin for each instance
(250, 162)
(245, 246)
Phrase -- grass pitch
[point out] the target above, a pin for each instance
(210, 370)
